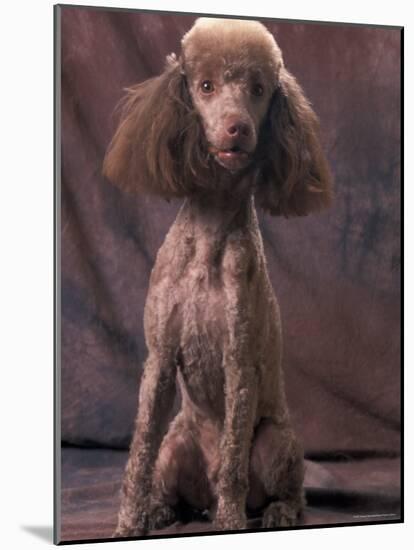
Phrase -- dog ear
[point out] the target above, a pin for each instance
(158, 143)
(295, 177)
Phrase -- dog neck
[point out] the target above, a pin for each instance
(205, 226)
(225, 209)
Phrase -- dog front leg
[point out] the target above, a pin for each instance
(156, 397)
(240, 412)
(235, 451)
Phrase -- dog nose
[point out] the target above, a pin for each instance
(238, 129)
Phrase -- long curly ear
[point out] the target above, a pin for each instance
(295, 177)
(159, 141)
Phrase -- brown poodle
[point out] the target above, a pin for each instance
(224, 126)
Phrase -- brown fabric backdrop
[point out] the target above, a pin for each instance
(336, 275)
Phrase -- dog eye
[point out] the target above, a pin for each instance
(257, 90)
(207, 87)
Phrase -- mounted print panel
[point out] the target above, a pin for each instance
(228, 229)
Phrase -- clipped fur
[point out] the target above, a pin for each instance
(211, 318)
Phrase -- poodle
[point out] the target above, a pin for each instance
(225, 126)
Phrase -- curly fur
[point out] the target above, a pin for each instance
(211, 318)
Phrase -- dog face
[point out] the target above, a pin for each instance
(232, 105)
(232, 71)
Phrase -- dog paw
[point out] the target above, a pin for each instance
(161, 516)
(128, 531)
(225, 522)
(279, 514)
(229, 525)
(230, 514)
(135, 526)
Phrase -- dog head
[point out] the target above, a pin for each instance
(225, 108)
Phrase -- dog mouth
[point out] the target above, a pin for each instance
(233, 158)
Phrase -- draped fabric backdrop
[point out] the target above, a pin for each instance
(336, 274)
